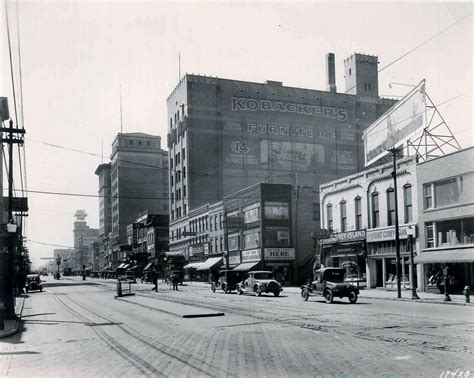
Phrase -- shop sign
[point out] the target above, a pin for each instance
(386, 234)
(251, 255)
(206, 248)
(234, 258)
(196, 250)
(279, 253)
(347, 236)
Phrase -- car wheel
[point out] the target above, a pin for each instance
(353, 297)
(304, 294)
(276, 293)
(328, 296)
(257, 291)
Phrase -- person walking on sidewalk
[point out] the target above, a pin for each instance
(175, 281)
(155, 281)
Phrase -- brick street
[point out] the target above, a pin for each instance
(76, 328)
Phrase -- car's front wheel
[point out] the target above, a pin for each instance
(328, 296)
(257, 290)
(276, 293)
(353, 297)
(304, 294)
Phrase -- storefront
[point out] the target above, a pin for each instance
(381, 257)
(347, 250)
(280, 262)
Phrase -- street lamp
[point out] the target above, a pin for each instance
(411, 236)
(58, 262)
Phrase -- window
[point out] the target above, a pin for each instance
(251, 213)
(316, 212)
(148, 143)
(390, 207)
(329, 217)
(375, 210)
(358, 213)
(184, 153)
(276, 210)
(131, 142)
(342, 205)
(221, 243)
(277, 237)
(171, 180)
(407, 203)
(184, 191)
(185, 209)
(139, 142)
(350, 71)
(210, 245)
(220, 221)
(428, 195)
(215, 244)
(184, 172)
(210, 223)
(215, 223)
(430, 242)
(233, 242)
(446, 192)
(251, 239)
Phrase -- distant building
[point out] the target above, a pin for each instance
(68, 258)
(446, 220)
(226, 135)
(84, 236)
(105, 212)
(139, 182)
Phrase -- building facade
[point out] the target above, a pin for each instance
(84, 236)
(139, 182)
(359, 210)
(227, 135)
(105, 212)
(446, 217)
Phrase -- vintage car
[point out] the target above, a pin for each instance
(228, 280)
(33, 282)
(329, 282)
(258, 282)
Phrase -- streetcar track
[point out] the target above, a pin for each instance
(149, 342)
(115, 345)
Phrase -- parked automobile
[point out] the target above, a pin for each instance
(228, 280)
(33, 282)
(330, 283)
(258, 282)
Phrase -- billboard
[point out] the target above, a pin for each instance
(397, 125)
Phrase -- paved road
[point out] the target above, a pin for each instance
(80, 329)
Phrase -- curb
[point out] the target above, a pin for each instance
(17, 323)
(419, 301)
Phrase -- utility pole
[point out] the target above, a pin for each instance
(8, 295)
(397, 231)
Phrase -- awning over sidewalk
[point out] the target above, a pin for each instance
(173, 254)
(122, 266)
(446, 256)
(245, 266)
(192, 265)
(148, 266)
(209, 263)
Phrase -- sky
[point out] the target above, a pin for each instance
(76, 55)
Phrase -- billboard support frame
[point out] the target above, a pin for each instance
(430, 144)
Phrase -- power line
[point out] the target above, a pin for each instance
(425, 42)
(49, 244)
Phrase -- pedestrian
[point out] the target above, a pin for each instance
(174, 281)
(155, 281)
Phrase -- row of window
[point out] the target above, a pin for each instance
(375, 211)
(131, 142)
(177, 158)
(446, 192)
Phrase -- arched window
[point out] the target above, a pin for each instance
(407, 204)
(375, 210)
(390, 207)
(329, 217)
(358, 212)
(342, 207)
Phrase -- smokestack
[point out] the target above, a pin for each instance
(330, 73)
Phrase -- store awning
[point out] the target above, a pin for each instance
(209, 263)
(192, 265)
(132, 267)
(89, 268)
(173, 254)
(245, 266)
(446, 256)
(148, 266)
(121, 266)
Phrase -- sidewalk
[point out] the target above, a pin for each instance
(13, 326)
(382, 294)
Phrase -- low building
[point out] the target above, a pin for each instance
(446, 218)
(359, 210)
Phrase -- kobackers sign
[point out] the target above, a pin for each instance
(250, 104)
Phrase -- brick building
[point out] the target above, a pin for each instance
(139, 182)
(226, 135)
(105, 212)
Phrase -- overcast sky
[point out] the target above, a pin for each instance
(75, 55)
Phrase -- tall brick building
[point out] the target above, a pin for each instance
(226, 135)
(139, 182)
